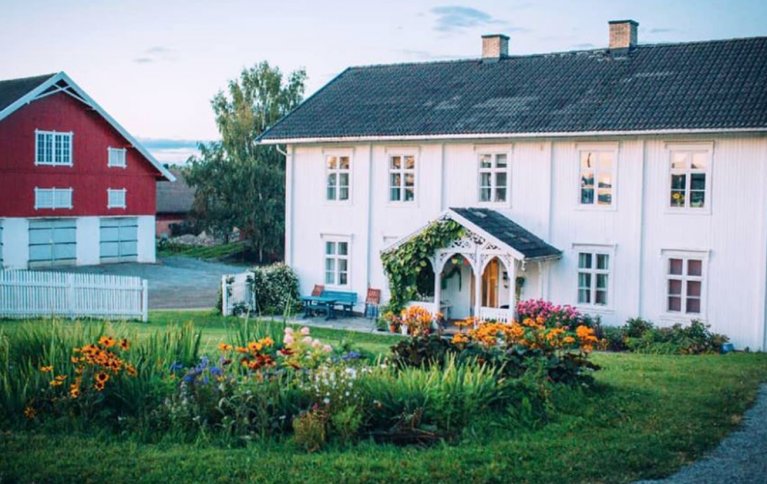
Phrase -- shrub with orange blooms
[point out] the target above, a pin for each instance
(418, 320)
(533, 334)
(255, 355)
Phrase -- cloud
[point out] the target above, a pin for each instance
(425, 55)
(157, 53)
(453, 18)
(583, 46)
(663, 30)
(173, 151)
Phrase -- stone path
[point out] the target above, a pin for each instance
(740, 458)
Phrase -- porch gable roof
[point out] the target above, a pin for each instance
(505, 230)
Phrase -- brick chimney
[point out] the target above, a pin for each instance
(494, 47)
(623, 34)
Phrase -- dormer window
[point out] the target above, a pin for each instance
(53, 148)
(116, 157)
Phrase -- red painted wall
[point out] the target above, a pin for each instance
(89, 175)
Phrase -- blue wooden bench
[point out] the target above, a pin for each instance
(346, 300)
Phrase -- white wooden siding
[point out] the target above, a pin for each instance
(28, 294)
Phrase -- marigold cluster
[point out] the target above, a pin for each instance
(254, 355)
(418, 320)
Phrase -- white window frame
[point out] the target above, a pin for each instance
(402, 171)
(595, 250)
(119, 192)
(689, 149)
(337, 172)
(598, 149)
(54, 193)
(122, 157)
(336, 239)
(493, 170)
(54, 157)
(685, 255)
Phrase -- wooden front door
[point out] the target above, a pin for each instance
(490, 285)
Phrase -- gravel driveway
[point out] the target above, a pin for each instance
(174, 282)
(739, 459)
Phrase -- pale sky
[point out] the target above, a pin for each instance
(154, 65)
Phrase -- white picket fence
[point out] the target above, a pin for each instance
(236, 290)
(34, 294)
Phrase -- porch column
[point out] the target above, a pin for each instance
(437, 289)
(540, 279)
(477, 291)
(513, 289)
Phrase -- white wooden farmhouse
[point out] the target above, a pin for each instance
(628, 181)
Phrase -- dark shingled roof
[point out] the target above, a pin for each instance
(175, 197)
(508, 232)
(719, 84)
(14, 89)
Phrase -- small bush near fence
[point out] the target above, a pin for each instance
(641, 336)
(276, 289)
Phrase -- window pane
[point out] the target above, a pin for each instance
(678, 182)
(699, 161)
(500, 195)
(343, 162)
(677, 198)
(484, 194)
(675, 266)
(605, 196)
(409, 194)
(693, 305)
(500, 161)
(343, 193)
(485, 179)
(584, 296)
(395, 180)
(343, 279)
(601, 281)
(332, 163)
(343, 265)
(679, 160)
(600, 298)
(587, 196)
(697, 199)
(693, 288)
(409, 162)
(409, 179)
(698, 181)
(396, 162)
(584, 280)
(329, 278)
(485, 161)
(584, 260)
(587, 160)
(394, 194)
(330, 264)
(694, 267)
(500, 179)
(332, 180)
(674, 303)
(674, 287)
(603, 261)
(331, 193)
(330, 248)
(343, 179)
(343, 248)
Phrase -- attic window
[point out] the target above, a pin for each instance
(116, 157)
(53, 148)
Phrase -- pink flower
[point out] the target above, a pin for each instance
(316, 344)
(327, 348)
(307, 340)
(288, 330)
(288, 340)
(305, 330)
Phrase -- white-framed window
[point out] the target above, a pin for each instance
(594, 276)
(116, 197)
(493, 177)
(689, 178)
(53, 198)
(337, 252)
(597, 178)
(338, 175)
(116, 157)
(53, 148)
(685, 283)
(402, 169)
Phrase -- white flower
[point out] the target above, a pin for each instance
(327, 348)
(326, 401)
(288, 330)
(307, 340)
(316, 344)
(305, 330)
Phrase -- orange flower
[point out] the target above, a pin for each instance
(460, 338)
(46, 369)
(224, 347)
(99, 386)
(101, 377)
(107, 341)
(74, 390)
(130, 369)
(124, 344)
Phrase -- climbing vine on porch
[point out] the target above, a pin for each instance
(403, 264)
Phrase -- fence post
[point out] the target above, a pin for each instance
(224, 297)
(144, 300)
(71, 295)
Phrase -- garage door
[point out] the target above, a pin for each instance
(119, 239)
(52, 242)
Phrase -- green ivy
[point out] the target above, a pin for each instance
(403, 264)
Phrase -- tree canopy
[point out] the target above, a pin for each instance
(240, 183)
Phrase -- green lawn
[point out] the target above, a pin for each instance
(648, 416)
(232, 250)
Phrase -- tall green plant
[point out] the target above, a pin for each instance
(403, 264)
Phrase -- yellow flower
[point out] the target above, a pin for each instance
(130, 369)
(224, 347)
(75, 360)
(46, 369)
(98, 386)
(254, 346)
(267, 341)
(107, 341)
(124, 344)
(55, 383)
(460, 339)
(101, 377)
(30, 413)
(74, 390)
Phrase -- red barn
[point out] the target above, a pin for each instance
(75, 187)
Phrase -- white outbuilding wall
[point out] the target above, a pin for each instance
(639, 230)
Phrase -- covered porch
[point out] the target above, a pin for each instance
(483, 274)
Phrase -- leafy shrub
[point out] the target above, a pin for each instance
(643, 337)
(276, 289)
(311, 429)
(346, 423)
